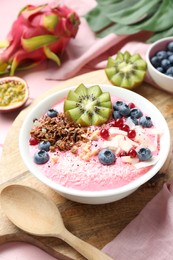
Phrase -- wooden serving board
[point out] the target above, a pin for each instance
(96, 224)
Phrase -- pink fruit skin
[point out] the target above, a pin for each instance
(30, 23)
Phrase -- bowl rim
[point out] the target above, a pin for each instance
(148, 56)
(80, 193)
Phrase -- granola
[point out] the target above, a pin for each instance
(59, 131)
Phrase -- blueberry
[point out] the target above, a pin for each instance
(122, 107)
(107, 157)
(117, 105)
(170, 75)
(41, 157)
(134, 120)
(160, 69)
(124, 110)
(155, 61)
(44, 145)
(170, 71)
(144, 154)
(145, 121)
(165, 64)
(170, 46)
(169, 53)
(116, 114)
(170, 58)
(135, 113)
(52, 113)
(161, 55)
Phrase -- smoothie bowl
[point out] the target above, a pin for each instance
(94, 144)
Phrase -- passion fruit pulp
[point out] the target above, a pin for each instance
(13, 93)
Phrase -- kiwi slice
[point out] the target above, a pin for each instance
(126, 70)
(88, 106)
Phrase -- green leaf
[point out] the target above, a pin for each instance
(4, 68)
(118, 29)
(4, 43)
(160, 35)
(27, 11)
(161, 20)
(14, 66)
(27, 67)
(37, 42)
(108, 2)
(112, 8)
(97, 19)
(51, 55)
(132, 14)
(50, 21)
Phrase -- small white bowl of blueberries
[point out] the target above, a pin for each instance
(160, 63)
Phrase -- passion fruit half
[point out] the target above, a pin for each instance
(13, 93)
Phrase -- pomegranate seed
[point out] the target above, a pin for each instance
(104, 133)
(132, 153)
(113, 123)
(131, 134)
(118, 122)
(122, 154)
(33, 141)
(131, 105)
(125, 128)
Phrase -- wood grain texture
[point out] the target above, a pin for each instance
(95, 224)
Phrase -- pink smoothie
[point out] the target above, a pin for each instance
(83, 171)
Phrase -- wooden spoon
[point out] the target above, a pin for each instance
(36, 214)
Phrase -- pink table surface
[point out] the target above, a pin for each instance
(80, 56)
(36, 78)
(37, 85)
(88, 53)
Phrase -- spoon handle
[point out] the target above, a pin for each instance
(88, 251)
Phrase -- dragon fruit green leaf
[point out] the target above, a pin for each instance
(50, 21)
(37, 42)
(51, 55)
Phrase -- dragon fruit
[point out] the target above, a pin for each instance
(39, 33)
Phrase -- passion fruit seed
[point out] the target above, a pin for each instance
(11, 92)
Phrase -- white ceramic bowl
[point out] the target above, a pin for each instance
(96, 197)
(163, 81)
